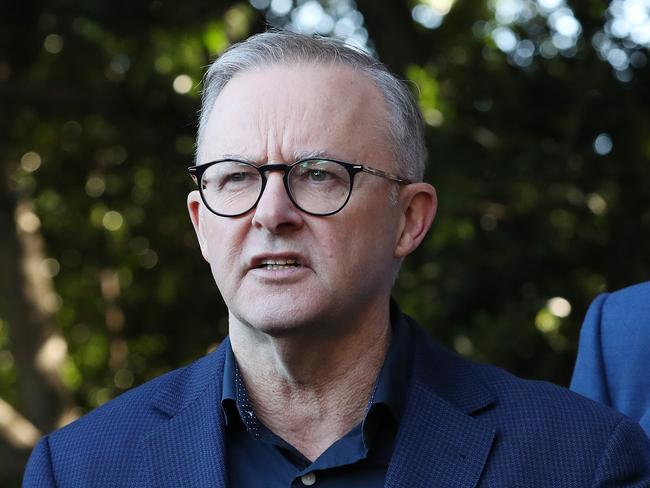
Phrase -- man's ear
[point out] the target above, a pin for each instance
(418, 205)
(194, 204)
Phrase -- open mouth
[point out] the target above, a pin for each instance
(275, 264)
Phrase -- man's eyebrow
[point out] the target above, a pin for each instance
(240, 157)
(297, 156)
(300, 155)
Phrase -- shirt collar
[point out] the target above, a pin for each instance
(232, 408)
(393, 379)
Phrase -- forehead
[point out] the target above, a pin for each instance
(278, 111)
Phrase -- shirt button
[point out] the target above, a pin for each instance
(308, 479)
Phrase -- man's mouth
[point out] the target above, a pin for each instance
(275, 264)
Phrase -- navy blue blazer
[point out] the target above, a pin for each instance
(613, 364)
(464, 425)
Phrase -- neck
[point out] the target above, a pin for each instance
(309, 389)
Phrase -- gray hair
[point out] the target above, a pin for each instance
(405, 125)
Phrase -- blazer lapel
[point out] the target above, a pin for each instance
(440, 442)
(187, 448)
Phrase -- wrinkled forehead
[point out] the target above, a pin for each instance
(303, 106)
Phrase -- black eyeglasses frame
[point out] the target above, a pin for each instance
(196, 172)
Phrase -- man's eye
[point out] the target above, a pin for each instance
(235, 177)
(318, 175)
(236, 180)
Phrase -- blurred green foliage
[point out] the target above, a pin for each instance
(99, 104)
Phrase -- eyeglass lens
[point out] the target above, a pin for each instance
(316, 186)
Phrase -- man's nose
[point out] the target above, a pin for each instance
(275, 211)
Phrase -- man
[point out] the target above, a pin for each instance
(310, 160)
(612, 365)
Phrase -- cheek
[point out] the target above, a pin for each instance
(332, 247)
(224, 244)
(351, 249)
(372, 241)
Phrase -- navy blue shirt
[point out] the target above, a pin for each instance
(257, 457)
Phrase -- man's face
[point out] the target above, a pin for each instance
(345, 262)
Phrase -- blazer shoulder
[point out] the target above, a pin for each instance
(551, 433)
(580, 434)
(622, 317)
(638, 292)
(103, 444)
(106, 445)
(633, 301)
(542, 407)
(132, 414)
(546, 400)
(124, 417)
(560, 419)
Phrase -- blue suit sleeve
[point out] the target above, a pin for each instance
(39, 472)
(589, 376)
(625, 462)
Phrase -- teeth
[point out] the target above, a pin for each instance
(278, 263)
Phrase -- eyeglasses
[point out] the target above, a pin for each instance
(231, 188)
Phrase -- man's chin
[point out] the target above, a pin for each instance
(284, 324)
(281, 330)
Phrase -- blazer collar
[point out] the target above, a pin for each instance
(441, 441)
(187, 448)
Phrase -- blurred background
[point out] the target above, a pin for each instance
(538, 129)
